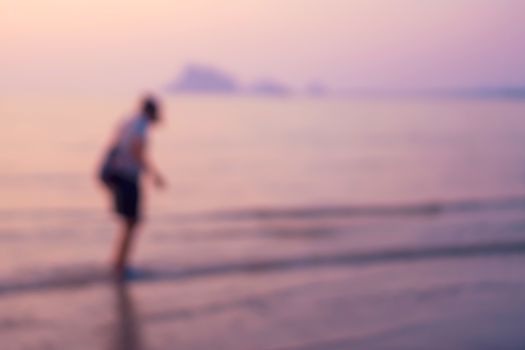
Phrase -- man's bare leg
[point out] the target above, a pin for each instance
(123, 247)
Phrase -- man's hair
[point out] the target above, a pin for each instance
(150, 108)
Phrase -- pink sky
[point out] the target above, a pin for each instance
(126, 45)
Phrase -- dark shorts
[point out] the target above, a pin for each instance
(126, 197)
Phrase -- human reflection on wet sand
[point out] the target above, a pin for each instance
(127, 328)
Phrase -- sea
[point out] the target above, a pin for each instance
(261, 185)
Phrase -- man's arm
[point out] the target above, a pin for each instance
(139, 151)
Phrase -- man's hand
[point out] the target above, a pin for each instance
(158, 181)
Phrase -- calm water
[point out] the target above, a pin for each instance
(265, 180)
(223, 153)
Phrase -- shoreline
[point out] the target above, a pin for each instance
(365, 307)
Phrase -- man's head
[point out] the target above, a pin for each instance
(150, 108)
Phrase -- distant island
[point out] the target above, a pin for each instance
(202, 79)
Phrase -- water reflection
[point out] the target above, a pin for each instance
(127, 333)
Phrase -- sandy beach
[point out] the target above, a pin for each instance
(476, 304)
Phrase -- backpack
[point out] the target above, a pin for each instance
(107, 170)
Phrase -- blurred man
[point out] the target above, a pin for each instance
(125, 163)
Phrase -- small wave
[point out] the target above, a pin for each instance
(423, 208)
(81, 277)
(414, 209)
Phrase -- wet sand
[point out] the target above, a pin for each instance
(468, 303)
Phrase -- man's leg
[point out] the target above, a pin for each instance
(124, 244)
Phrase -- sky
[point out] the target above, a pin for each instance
(130, 45)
